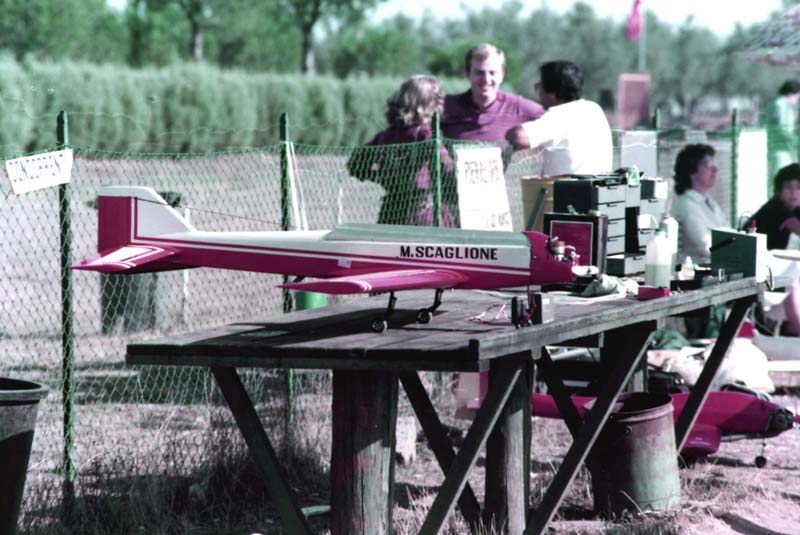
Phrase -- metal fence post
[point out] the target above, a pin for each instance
(286, 222)
(734, 167)
(436, 172)
(286, 214)
(67, 339)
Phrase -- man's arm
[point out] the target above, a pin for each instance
(518, 138)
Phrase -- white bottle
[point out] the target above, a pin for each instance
(687, 270)
(670, 224)
(658, 266)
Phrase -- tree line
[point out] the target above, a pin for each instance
(336, 38)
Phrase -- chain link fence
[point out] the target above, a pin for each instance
(144, 443)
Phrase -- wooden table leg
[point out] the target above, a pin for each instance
(362, 452)
(261, 449)
(632, 344)
(439, 443)
(508, 453)
(557, 389)
(700, 389)
(482, 424)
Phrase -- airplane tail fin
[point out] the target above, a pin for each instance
(128, 212)
(127, 217)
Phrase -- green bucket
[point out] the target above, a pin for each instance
(634, 463)
(307, 300)
(19, 404)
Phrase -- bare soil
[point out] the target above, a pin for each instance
(723, 493)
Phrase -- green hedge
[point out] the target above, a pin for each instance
(185, 107)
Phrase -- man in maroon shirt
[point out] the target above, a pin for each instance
(484, 113)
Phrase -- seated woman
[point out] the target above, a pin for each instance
(779, 219)
(696, 212)
(695, 174)
(398, 158)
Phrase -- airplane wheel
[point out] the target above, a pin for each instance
(379, 325)
(424, 315)
(761, 461)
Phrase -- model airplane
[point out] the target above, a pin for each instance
(725, 415)
(138, 232)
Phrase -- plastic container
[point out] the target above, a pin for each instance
(634, 463)
(687, 269)
(19, 405)
(658, 260)
(670, 225)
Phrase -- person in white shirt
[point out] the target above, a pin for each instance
(696, 212)
(573, 136)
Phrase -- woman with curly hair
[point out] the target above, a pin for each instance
(696, 212)
(399, 157)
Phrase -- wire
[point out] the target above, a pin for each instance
(214, 212)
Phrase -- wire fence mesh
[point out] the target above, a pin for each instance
(143, 440)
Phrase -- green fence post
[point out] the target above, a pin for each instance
(67, 340)
(286, 222)
(286, 214)
(436, 172)
(734, 167)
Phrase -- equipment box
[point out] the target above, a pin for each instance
(587, 233)
(621, 265)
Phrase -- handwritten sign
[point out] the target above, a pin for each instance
(482, 198)
(31, 173)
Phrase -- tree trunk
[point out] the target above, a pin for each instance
(306, 57)
(196, 42)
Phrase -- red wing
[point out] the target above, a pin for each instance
(383, 281)
(126, 258)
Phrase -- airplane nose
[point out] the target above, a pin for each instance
(782, 420)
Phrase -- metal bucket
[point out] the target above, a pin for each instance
(19, 403)
(634, 463)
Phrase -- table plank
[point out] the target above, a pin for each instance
(337, 337)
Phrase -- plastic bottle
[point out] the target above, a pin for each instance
(687, 270)
(671, 226)
(658, 260)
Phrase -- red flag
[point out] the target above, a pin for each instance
(633, 27)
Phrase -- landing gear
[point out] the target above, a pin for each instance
(424, 315)
(761, 460)
(379, 325)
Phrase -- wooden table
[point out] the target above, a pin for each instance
(368, 366)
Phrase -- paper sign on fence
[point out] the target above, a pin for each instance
(31, 173)
(482, 197)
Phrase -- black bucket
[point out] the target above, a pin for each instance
(634, 463)
(19, 404)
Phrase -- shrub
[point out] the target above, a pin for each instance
(185, 107)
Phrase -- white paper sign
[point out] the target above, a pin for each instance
(31, 173)
(751, 171)
(482, 197)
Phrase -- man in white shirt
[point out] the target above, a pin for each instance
(573, 135)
